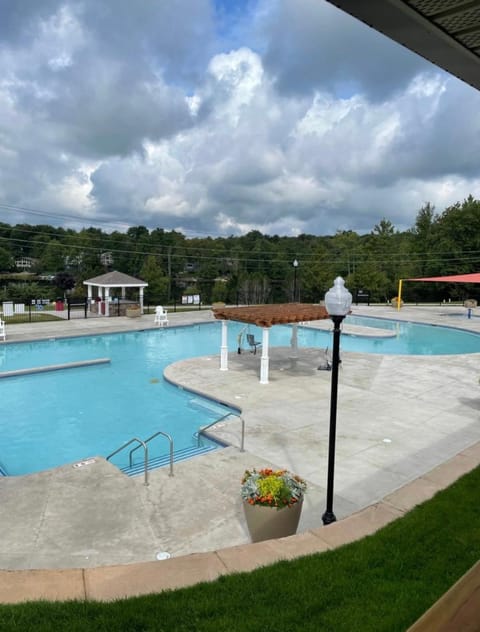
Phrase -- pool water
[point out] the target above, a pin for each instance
(48, 419)
(411, 338)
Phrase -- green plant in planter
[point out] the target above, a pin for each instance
(272, 488)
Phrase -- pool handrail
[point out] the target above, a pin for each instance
(242, 439)
(156, 434)
(142, 443)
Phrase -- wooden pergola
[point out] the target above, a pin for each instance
(265, 316)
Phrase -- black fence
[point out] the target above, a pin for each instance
(39, 310)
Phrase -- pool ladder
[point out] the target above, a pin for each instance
(143, 444)
(204, 428)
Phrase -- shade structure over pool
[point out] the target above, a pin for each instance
(473, 277)
(266, 316)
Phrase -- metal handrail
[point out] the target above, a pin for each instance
(164, 434)
(142, 443)
(242, 440)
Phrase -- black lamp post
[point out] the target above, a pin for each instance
(338, 301)
(295, 266)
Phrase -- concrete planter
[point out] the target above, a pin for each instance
(267, 523)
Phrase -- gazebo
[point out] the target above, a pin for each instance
(265, 316)
(105, 282)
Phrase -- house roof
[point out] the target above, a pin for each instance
(446, 32)
(115, 279)
(268, 315)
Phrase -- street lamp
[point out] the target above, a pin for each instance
(295, 266)
(338, 301)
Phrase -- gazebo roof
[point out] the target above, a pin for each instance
(268, 315)
(115, 279)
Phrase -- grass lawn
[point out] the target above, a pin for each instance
(381, 583)
(35, 318)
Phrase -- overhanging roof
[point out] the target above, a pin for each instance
(446, 32)
(474, 277)
(115, 279)
(268, 315)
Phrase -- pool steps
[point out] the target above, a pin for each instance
(161, 461)
(54, 367)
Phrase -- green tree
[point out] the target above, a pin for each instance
(6, 260)
(220, 291)
(151, 272)
(64, 281)
(53, 257)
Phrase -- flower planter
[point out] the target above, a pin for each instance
(267, 523)
(272, 502)
(134, 312)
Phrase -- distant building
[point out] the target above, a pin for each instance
(106, 259)
(73, 261)
(25, 263)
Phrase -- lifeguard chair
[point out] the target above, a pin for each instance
(161, 319)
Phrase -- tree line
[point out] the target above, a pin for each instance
(252, 268)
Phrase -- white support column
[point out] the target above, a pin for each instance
(294, 346)
(141, 300)
(224, 348)
(90, 297)
(264, 360)
(294, 340)
(107, 301)
(100, 302)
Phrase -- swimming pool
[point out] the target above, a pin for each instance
(411, 338)
(47, 419)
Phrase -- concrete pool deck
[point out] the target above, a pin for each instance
(407, 426)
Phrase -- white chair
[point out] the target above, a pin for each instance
(160, 316)
(8, 308)
(2, 329)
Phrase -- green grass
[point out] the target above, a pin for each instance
(25, 318)
(381, 583)
(36, 317)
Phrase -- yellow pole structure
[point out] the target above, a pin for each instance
(399, 296)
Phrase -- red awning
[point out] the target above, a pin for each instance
(474, 277)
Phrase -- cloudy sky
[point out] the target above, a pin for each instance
(216, 117)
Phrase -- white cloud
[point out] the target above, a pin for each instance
(310, 123)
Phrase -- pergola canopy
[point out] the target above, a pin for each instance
(265, 316)
(268, 315)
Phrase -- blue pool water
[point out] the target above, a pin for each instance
(411, 338)
(47, 419)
